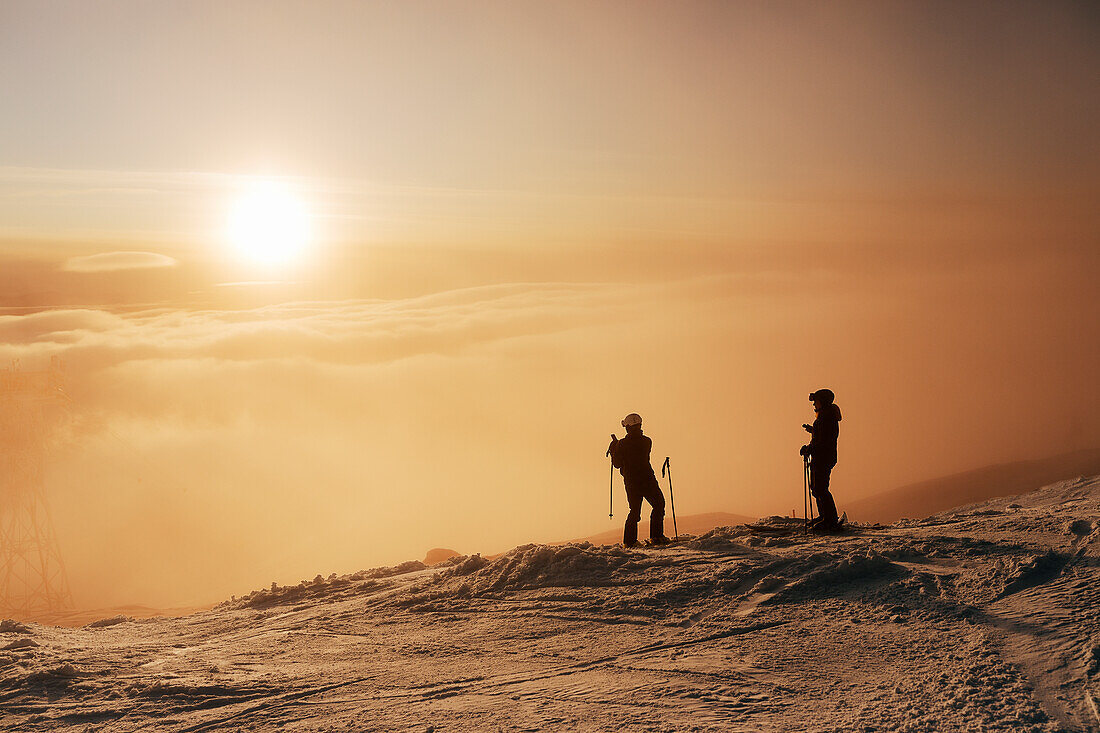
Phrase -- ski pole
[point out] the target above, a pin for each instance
(671, 495)
(611, 492)
(611, 482)
(810, 488)
(806, 493)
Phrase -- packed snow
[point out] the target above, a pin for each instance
(985, 618)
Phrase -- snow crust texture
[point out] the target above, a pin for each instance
(982, 619)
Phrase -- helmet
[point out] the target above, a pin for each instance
(632, 419)
(825, 395)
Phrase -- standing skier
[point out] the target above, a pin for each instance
(631, 456)
(821, 451)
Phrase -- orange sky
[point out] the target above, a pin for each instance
(527, 221)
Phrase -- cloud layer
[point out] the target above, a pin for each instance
(214, 450)
(243, 436)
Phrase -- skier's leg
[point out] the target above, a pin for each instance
(819, 487)
(656, 499)
(630, 529)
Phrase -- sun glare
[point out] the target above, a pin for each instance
(268, 223)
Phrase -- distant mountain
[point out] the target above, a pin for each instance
(947, 492)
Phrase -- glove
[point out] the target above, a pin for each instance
(807, 427)
(611, 446)
(805, 451)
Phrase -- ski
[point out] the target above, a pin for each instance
(784, 525)
(796, 526)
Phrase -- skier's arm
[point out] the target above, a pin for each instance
(808, 449)
(616, 454)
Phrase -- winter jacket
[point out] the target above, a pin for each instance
(631, 456)
(826, 430)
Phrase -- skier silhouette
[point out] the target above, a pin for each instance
(631, 456)
(821, 451)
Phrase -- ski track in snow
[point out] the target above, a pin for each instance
(986, 618)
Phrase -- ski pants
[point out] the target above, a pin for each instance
(819, 487)
(649, 490)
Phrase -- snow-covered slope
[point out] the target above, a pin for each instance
(986, 618)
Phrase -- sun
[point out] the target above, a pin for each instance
(268, 223)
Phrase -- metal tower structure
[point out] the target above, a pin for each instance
(32, 573)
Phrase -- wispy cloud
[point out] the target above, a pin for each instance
(344, 332)
(110, 261)
(251, 283)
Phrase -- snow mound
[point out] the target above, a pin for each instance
(466, 564)
(411, 566)
(47, 677)
(112, 621)
(321, 588)
(825, 574)
(1033, 570)
(11, 626)
(720, 539)
(541, 566)
(1080, 527)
